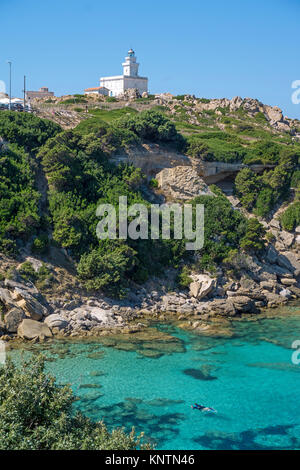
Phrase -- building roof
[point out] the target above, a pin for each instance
(96, 88)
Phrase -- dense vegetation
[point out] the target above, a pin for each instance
(261, 192)
(80, 177)
(225, 230)
(19, 217)
(26, 130)
(37, 414)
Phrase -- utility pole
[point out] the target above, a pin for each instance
(24, 92)
(9, 63)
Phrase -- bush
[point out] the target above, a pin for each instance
(291, 217)
(223, 229)
(153, 126)
(26, 130)
(37, 414)
(19, 200)
(253, 239)
(247, 187)
(153, 183)
(107, 268)
(183, 279)
(40, 244)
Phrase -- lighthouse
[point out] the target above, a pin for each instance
(129, 80)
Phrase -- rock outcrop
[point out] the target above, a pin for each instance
(181, 182)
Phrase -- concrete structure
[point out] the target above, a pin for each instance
(98, 90)
(130, 78)
(42, 93)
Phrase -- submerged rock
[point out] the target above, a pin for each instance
(199, 374)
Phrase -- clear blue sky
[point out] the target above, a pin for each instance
(209, 48)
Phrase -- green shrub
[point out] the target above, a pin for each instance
(260, 118)
(291, 217)
(26, 130)
(111, 99)
(37, 414)
(223, 229)
(153, 126)
(40, 244)
(183, 279)
(253, 238)
(153, 183)
(107, 269)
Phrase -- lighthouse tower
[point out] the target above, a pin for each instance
(129, 80)
(130, 66)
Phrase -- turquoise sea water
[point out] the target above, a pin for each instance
(249, 379)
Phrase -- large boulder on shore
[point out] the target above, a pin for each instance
(12, 319)
(56, 321)
(31, 329)
(201, 286)
(32, 308)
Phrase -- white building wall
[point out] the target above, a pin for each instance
(114, 84)
(140, 83)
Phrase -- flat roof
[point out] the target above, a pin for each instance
(96, 88)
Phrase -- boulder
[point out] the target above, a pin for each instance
(274, 113)
(202, 285)
(286, 238)
(5, 297)
(285, 293)
(272, 254)
(274, 299)
(182, 182)
(289, 259)
(32, 308)
(56, 321)
(29, 287)
(268, 285)
(288, 282)
(222, 307)
(274, 223)
(194, 289)
(295, 290)
(12, 319)
(31, 329)
(243, 304)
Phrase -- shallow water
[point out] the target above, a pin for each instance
(249, 379)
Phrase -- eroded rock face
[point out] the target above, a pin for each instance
(31, 329)
(181, 182)
(152, 159)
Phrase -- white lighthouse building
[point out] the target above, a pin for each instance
(130, 78)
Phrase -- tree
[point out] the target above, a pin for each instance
(37, 414)
(247, 187)
(253, 239)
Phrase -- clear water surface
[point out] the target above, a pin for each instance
(248, 378)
